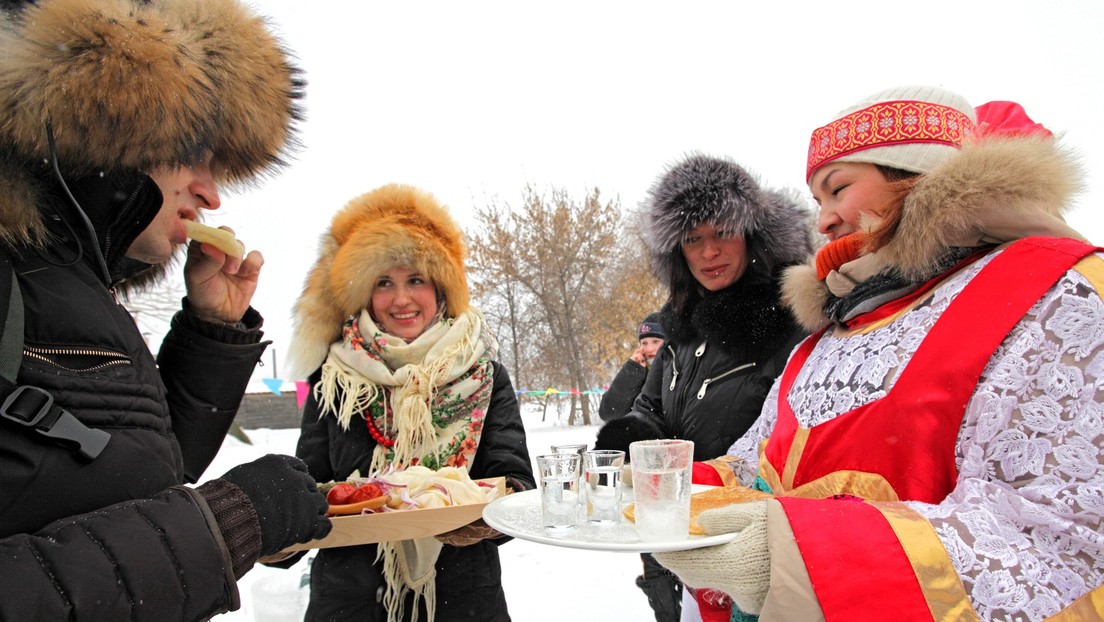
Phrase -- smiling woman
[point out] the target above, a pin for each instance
(404, 303)
(404, 380)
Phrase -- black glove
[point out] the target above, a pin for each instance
(617, 434)
(286, 499)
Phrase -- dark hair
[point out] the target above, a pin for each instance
(895, 174)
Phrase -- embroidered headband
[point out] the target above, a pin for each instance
(889, 123)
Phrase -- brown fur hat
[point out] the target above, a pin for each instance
(394, 225)
(129, 84)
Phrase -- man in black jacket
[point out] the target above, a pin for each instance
(618, 400)
(118, 123)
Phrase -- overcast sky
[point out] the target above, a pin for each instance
(472, 101)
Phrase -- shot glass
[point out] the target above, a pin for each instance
(568, 449)
(661, 474)
(602, 474)
(579, 449)
(559, 484)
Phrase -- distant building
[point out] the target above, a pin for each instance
(268, 410)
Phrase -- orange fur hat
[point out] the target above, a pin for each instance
(394, 225)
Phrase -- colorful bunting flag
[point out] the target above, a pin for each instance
(273, 384)
(302, 390)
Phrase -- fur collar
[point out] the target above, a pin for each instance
(747, 320)
(992, 191)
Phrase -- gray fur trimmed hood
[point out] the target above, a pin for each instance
(705, 189)
(994, 190)
(130, 85)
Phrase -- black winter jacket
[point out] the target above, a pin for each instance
(709, 381)
(618, 399)
(347, 584)
(116, 538)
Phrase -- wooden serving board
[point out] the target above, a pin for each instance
(399, 525)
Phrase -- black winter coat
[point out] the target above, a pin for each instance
(709, 381)
(116, 538)
(618, 400)
(346, 584)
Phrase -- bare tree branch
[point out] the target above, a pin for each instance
(564, 283)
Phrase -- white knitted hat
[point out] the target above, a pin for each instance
(912, 128)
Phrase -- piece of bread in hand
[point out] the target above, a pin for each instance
(720, 497)
(219, 238)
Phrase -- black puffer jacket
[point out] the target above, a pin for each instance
(166, 420)
(710, 379)
(96, 94)
(347, 584)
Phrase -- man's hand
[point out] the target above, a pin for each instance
(220, 287)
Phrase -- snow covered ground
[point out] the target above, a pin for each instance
(589, 585)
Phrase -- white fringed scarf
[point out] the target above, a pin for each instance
(430, 396)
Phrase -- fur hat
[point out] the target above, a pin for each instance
(1012, 181)
(131, 84)
(394, 225)
(912, 128)
(650, 327)
(704, 189)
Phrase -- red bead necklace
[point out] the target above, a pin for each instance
(376, 434)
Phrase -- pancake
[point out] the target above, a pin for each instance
(711, 499)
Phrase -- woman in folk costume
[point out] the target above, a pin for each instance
(403, 374)
(935, 446)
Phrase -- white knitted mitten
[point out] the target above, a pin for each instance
(740, 568)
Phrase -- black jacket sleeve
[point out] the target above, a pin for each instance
(150, 559)
(502, 448)
(645, 420)
(206, 368)
(313, 446)
(618, 400)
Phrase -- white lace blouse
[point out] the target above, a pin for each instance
(1023, 524)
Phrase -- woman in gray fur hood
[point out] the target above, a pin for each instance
(728, 333)
(719, 243)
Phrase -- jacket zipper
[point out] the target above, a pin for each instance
(683, 396)
(708, 381)
(674, 368)
(43, 354)
(109, 239)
